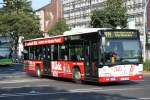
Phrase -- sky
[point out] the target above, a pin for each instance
(36, 4)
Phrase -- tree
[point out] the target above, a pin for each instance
(99, 19)
(19, 6)
(59, 28)
(18, 19)
(113, 15)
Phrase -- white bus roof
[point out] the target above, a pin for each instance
(82, 31)
(74, 31)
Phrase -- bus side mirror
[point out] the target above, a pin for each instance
(103, 41)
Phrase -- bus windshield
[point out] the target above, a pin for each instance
(125, 51)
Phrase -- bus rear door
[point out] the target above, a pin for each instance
(46, 59)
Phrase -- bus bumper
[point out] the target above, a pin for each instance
(121, 78)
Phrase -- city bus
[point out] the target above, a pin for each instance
(5, 51)
(92, 54)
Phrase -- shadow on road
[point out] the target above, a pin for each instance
(5, 69)
(10, 71)
(51, 93)
(122, 83)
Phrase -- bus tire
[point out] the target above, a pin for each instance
(38, 72)
(76, 75)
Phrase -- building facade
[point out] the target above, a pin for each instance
(77, 14)
(148, 16)
(49, 15)
(148, 28)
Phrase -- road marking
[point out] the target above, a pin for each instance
(12, 69)
(24, 86)
(35, 93)
(18, 81)
(101, 89)
(148, 98)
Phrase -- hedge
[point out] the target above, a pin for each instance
(147, 65)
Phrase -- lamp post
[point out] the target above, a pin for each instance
(145, 29)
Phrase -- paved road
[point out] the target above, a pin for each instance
(17, 85)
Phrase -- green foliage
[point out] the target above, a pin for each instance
(19, 6)
(18, 19)
(99, 19)
(147, 65)
(5, 61)
(113, 15)
(32, 36)
(59, 28)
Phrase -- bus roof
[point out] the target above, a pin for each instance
(73, 31)
(76, 31)
(43, 38)
(83, 31)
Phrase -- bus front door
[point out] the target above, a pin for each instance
(91, 68)
(87, 60)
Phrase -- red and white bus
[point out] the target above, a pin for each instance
(94, 54)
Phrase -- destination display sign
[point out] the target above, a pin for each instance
(121, 34)
(45, 41)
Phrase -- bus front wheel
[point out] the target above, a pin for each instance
(77, 75)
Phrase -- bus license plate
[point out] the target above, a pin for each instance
(125, 78)
(113, 79)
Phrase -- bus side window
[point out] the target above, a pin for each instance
(26, 53)
(54, 52)
(37, 52)
(63, 52)
(49, 52)
(76, 53)
(31, 53)
(72, 53)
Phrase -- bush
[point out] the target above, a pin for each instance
(147, 65)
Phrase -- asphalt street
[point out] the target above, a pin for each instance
(17, 85)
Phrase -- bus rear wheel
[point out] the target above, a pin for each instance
(38, 72)
(77, 76)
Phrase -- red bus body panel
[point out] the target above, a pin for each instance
(64, 69)
(30, 66)
(58, 68)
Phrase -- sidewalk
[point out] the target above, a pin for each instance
(146, 73)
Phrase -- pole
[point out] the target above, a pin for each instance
(90, 11)
(145, 29)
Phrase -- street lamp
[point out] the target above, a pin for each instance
(145, 29)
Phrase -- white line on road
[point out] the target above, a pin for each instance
(148, 98)
(145, 98)
(12, 69)
(16, 87)
(18, 81)
(101, 89)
